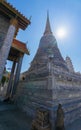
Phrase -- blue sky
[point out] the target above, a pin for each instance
(62, 13)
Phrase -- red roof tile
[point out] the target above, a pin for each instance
(20, 46)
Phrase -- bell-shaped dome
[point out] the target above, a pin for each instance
(47, 40)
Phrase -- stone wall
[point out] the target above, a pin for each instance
(28, 98)
(68, 88)
(4, 25)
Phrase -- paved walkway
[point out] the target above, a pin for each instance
(13, 119)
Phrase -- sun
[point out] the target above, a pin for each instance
(61, 32)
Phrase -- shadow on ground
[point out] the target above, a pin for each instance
(11, 118)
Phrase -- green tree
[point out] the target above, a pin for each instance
(3, 80)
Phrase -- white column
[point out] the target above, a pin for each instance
(17, 76)
(9, 88)
(6, 45)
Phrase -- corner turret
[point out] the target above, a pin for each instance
(69, 64)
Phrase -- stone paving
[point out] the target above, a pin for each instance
(13, 119)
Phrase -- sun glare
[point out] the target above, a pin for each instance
(61, 33)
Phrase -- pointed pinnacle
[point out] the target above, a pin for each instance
(48, 28)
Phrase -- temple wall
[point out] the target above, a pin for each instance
(68, 89)
(4, 25)
(41, 84)
(32, 95)
(29, 97)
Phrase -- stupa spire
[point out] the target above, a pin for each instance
(48, 27)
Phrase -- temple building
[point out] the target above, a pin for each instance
(50, 80)
(11, 20)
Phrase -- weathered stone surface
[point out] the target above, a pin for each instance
(60, 118)
(4, 25)
(69, 64)
(5, 47)
(41, 122)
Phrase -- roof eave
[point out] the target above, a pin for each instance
(23, 22)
